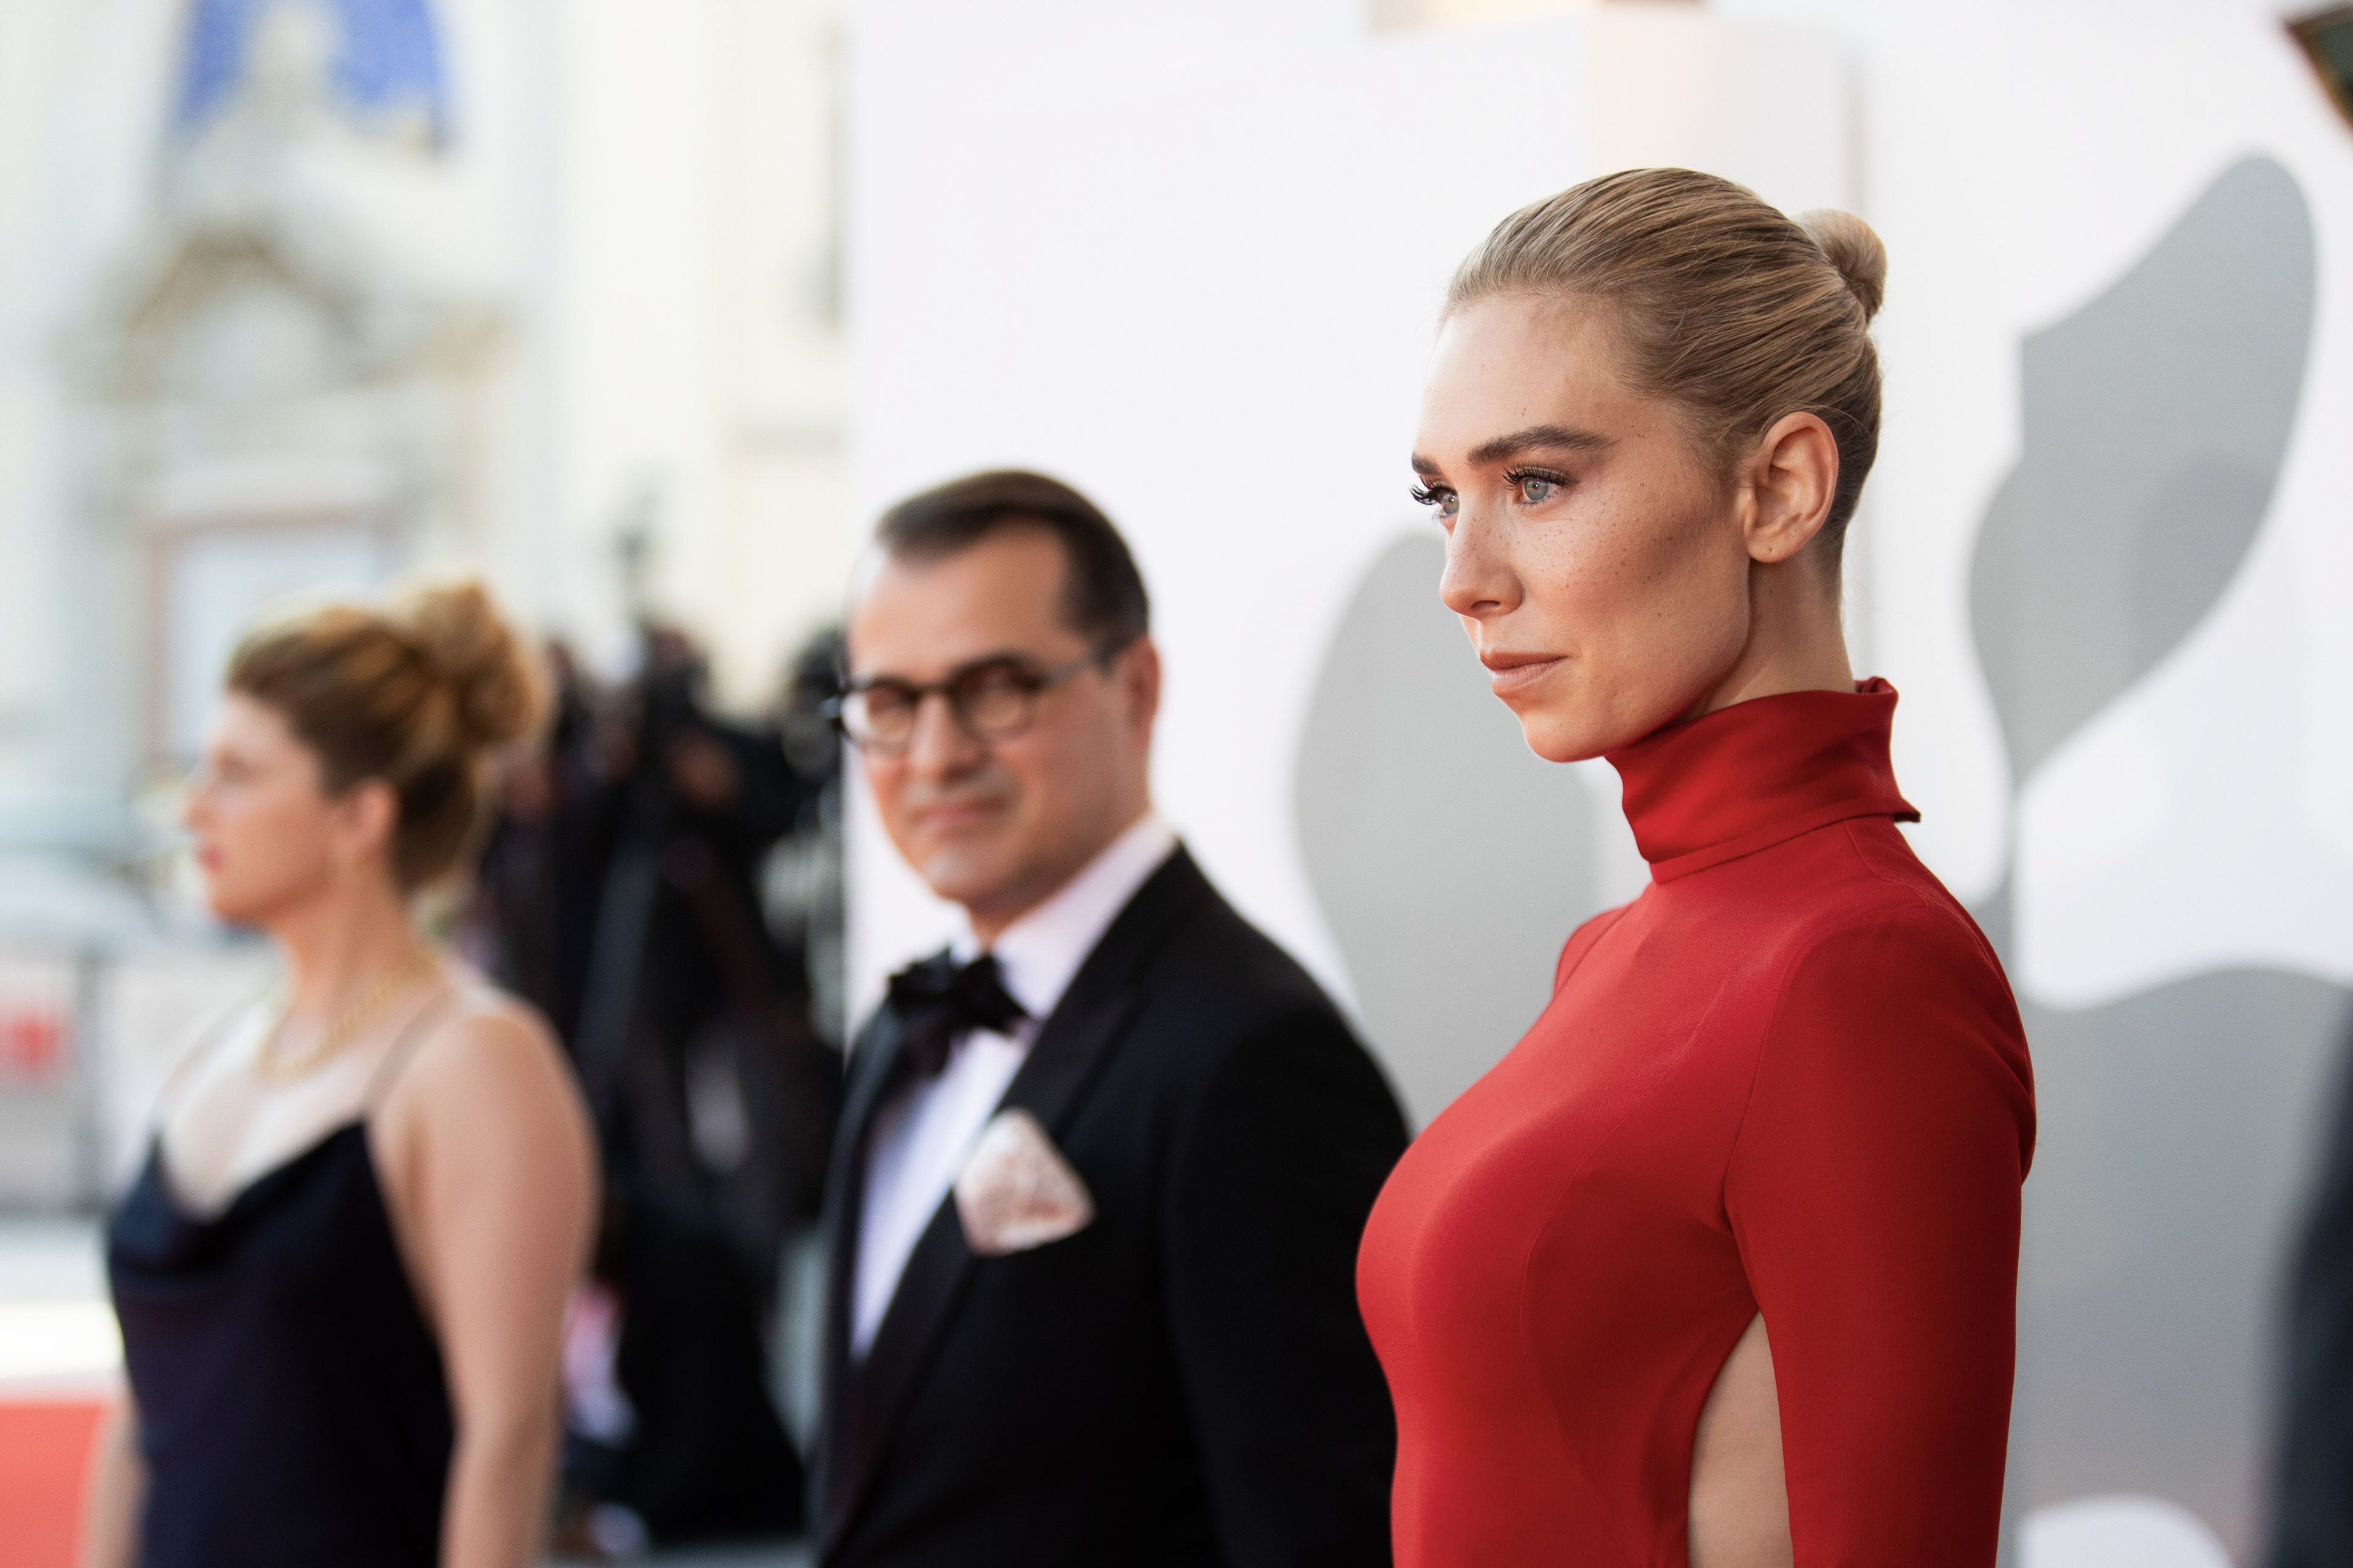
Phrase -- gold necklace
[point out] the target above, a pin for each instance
(343, 1030)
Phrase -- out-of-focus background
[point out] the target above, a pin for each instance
(644, 308)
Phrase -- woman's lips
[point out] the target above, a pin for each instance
(1509, 674)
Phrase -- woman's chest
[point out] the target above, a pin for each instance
(230, 1124)
(1589, 1163)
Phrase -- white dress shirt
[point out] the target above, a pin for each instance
(923, 1134)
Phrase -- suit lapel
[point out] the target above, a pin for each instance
(1071, 1047)
(845, 1193)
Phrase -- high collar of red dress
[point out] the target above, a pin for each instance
(1749, 776)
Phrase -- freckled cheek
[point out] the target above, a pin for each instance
(1581, 604)
(1675, 559)
(1592, 581)
(1637, 603)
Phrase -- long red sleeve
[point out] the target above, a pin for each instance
(1874, 1191)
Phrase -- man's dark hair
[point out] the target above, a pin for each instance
(1103, 599)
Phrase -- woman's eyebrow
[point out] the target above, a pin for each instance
(1536, 437)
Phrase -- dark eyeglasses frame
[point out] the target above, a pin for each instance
(1034, 682)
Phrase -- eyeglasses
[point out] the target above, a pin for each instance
(990, 699)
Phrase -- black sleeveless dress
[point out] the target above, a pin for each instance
(292, 1410)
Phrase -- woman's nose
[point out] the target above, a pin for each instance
(1479, 581)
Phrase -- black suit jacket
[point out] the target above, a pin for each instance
(2313, 1527)
(1185, 1380)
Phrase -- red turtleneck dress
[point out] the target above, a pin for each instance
(1787, 1079)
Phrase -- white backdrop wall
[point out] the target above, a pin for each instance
(1187, 257)
(2166, 868)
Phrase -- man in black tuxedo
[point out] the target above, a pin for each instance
(1103, 1166)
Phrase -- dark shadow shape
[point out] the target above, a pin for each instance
(2177, 1128)
(1449, 861)
(2155, 419)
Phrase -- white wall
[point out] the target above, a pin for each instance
(2017, 158)
(675, 229)
(1189, 258)
(2173, 875)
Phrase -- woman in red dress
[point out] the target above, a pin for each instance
(1718, 1266)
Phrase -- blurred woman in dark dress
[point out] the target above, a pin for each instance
(341, 1275)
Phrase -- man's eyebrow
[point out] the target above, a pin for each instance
(955, 672)
(1537, 437)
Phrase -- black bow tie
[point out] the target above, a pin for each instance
(938, 999)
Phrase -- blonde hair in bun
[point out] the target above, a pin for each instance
(1720, 301)
(1853, 248)
(417, 691)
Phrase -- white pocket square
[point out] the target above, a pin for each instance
(1017, 1191)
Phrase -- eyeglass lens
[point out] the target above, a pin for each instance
(991, 703)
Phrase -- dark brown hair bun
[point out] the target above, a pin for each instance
(417, 692)
(461, 633)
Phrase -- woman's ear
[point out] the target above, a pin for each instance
(1793, 478)
(362, 823)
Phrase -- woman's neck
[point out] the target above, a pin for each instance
(1795, 641)
(338, 945)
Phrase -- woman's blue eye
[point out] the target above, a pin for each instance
(1536, 491)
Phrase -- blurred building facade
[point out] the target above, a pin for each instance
(296, 295)
(300, 292)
